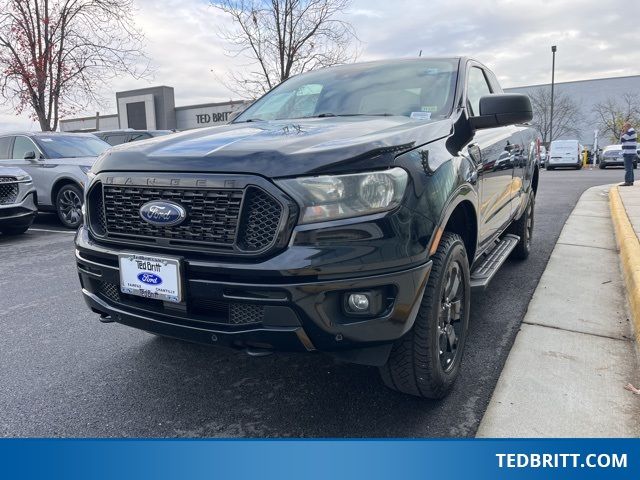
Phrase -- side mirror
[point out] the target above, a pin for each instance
(501, 109)
(30, 155)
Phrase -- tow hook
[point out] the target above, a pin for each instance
(104, 318)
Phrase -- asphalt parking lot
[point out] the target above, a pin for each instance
(65, 374)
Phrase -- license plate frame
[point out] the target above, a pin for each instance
(163, 279)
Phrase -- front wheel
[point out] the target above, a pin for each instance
(69, 206)
(426, 361)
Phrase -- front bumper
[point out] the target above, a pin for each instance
(297, 314)
(18, 214)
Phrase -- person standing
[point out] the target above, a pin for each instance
(629, 142)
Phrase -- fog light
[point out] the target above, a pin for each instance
(358, 302)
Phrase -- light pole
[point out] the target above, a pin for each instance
(553, 72)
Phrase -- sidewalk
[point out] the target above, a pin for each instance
(566, 371)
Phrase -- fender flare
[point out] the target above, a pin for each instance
(465, 192)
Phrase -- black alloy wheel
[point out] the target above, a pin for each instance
(452, 307)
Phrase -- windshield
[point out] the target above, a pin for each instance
(71, 146)
(613, 153)
(421, 89)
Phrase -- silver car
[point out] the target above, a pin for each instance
(17, 201)
(58, 164)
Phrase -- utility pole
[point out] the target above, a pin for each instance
(553, 72)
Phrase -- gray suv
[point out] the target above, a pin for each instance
(58, 164)
(17, 201)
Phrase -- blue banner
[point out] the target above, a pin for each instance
(319, 459)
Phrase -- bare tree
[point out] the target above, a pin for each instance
(566, 114)
(55, 54)
(282, 38)
(613, 112)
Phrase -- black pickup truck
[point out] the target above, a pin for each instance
(350, 210)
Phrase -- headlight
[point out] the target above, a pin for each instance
(340, 196)
(23, 178)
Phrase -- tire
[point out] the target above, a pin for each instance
(15, 230)
(68, 205)
(635, 166)
(523, 227)
(602, 166)
(549, 168)
(416, 365)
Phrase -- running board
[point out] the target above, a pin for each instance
(491, 263)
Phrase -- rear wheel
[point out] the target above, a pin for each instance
(523, 227)
(602, 166)
(69, 205)
(426, 361)
(549, 168)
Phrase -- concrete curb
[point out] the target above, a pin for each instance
(629, 246)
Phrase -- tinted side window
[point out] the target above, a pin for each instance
(21, 146)
(115, 139)
(5, 143)
(477, 86)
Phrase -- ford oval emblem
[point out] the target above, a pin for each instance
(162, 213)
(149, 278)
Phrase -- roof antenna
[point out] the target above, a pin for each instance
(420, 54)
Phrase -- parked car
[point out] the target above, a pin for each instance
(17, 201)
(564, 153)
(58, 164)
(543, 155)
(350, 210)
(612, 157)
(118, 137)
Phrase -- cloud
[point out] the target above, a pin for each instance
(513, 37)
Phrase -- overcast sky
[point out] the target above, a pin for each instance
(513, 37)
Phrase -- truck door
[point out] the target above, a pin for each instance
(498, 156)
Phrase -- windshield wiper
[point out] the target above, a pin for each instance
(251, 120)
(329, 114)
(356, 115)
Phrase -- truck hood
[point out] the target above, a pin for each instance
(278, 148)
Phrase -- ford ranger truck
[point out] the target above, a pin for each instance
(351, 210)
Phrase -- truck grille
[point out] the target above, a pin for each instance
(8, 190)
(233, 220)
(212, 215)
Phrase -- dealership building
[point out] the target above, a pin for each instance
(586, 94)
(154, 108)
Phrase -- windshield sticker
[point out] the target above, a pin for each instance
(421, 115)
(429, 108)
